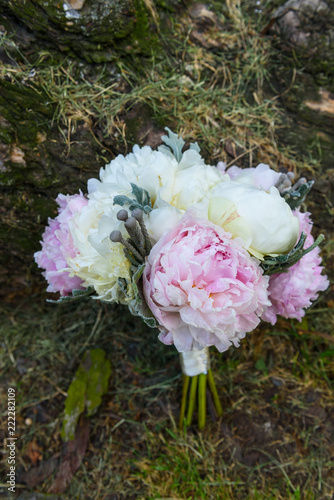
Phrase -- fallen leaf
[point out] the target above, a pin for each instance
(71, 457)
(34, 452)
(86, 390)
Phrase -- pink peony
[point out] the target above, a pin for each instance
(57, 244)
(203, 288)
(292, 292)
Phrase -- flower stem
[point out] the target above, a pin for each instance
(214, 393)
(201, 400)
(186, 380)
(192, 400)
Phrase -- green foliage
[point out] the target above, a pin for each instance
(295, 197)
(138, 306)
(76, 295)
(142, 199)
(176, 144)
(281, 263)
(88, 386)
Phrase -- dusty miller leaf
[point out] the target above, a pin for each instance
(76, 295)
(295, 197)
(142, 199)
(175, 143)
(195, 146)
(88, 386)
(123, 285)
(281, 263)
(138, 306)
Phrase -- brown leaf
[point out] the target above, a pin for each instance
(33, 452)
(71, 457)
(230, 148)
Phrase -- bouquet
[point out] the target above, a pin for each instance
(202, 253)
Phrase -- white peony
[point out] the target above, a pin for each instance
(99, 262)
(151, 170)
(161, 220)
(180, 184)
(192, 181)
(268, 223)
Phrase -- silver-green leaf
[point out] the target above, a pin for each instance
(281, 263)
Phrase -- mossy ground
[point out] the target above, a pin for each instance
(211, 79)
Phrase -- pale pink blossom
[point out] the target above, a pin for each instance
(203, 288)
(262, 176)
(292, 292)
(57, 246)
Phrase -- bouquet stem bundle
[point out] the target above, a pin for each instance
(196, 389)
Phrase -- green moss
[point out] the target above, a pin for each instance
(93, 28)
(6, 136)
(26, 108)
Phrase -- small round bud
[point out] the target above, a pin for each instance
(137, 214)
(122, 215)
(131, 223)
(116, 236)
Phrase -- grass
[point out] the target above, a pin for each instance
(274, 440)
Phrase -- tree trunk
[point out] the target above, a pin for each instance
(38, 157)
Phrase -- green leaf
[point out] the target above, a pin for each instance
(98, 376)
(138, 306)
(142, 196)
(135, 279)
(195, 146)
(121, 199)
(142, 201)
(175, 143)
(123, 285)
(74, 406)
(87, 388)
(296, 196)
(281, 263)
(144, 312)
(76, 295)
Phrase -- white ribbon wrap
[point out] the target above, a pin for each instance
(195, 362)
